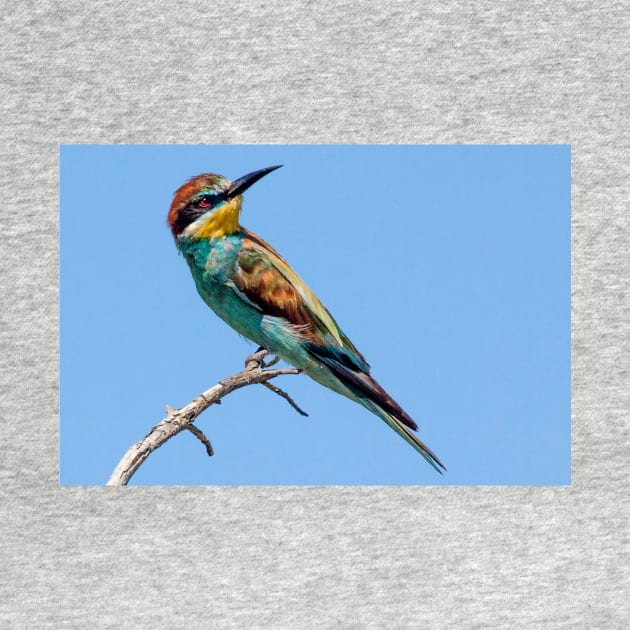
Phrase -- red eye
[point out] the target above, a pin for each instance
(204, 202)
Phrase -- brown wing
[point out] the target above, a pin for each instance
(267, 280)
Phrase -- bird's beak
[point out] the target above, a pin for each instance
(243, 183)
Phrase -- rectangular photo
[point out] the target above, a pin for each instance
(315, 314)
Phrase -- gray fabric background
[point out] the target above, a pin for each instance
(340, 72)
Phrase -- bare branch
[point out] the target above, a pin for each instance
(198, 433)
(177, 420)
(286, 396)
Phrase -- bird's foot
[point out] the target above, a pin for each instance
(274, 359)
(257, 360)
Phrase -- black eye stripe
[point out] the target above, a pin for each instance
(195, 209)
(186, 217)
(209, 201)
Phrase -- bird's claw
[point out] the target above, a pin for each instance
(275, 358)
(257, 360)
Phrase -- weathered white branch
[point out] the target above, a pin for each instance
(177, 420)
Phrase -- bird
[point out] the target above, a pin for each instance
(250, 286)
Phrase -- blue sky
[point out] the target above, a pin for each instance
(447, 266)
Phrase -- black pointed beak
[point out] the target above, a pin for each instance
(239, 186)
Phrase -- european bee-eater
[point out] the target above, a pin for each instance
(253, 289)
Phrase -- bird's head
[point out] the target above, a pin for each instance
(208, 205)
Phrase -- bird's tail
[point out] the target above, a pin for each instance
(354, 375)
(407, 434)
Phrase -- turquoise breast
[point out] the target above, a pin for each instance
(213, 263)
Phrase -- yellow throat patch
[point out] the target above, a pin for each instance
(221, 222)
